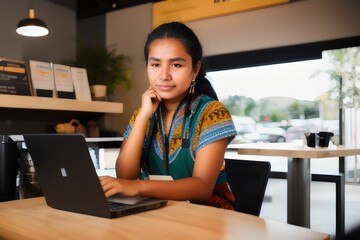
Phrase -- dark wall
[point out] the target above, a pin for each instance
(56, 47)
(92, 30)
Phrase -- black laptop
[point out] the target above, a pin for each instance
(69, 180)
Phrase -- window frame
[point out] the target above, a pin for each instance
(293, 53)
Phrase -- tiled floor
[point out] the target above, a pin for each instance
(322, 205)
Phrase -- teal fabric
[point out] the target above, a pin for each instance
(209, 121)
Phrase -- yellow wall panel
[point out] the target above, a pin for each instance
(190, 10)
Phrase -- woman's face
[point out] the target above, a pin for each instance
(169, 69)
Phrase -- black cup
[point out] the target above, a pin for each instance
(311, 139)
(324, 138)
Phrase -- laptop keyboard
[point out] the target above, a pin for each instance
(116, 206)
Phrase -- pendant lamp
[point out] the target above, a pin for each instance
(32, 26)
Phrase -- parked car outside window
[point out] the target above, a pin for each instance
(249, 131)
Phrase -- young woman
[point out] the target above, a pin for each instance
(180, 130)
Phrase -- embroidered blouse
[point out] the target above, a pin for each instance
(208, 121)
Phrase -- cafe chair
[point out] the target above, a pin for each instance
(247, 181)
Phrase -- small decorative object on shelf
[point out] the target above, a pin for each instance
(74, 126)
(98, 92)
(92, 129)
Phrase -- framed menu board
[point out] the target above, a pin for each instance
(42, 78)
(14, 78)
(63, 82)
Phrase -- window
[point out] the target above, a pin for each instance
(282, 90)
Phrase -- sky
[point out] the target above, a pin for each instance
(284, 80)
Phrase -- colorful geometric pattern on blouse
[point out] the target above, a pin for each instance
(211, 122)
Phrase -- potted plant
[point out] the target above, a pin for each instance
(105, 68)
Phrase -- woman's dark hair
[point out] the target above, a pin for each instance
(184, 34)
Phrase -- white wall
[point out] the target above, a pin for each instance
(294, 23)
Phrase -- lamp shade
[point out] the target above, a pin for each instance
(32, 27)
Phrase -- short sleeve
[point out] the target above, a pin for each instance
(216, 124)
(130, 124)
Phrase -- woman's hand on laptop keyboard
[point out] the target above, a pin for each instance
(113, 186)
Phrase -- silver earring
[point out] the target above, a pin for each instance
(192, 87)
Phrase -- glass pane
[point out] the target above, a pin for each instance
(277, 102)
(280, 102)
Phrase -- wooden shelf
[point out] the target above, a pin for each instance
(58, 104)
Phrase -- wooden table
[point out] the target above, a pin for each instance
(298, 176)
(33, 219)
